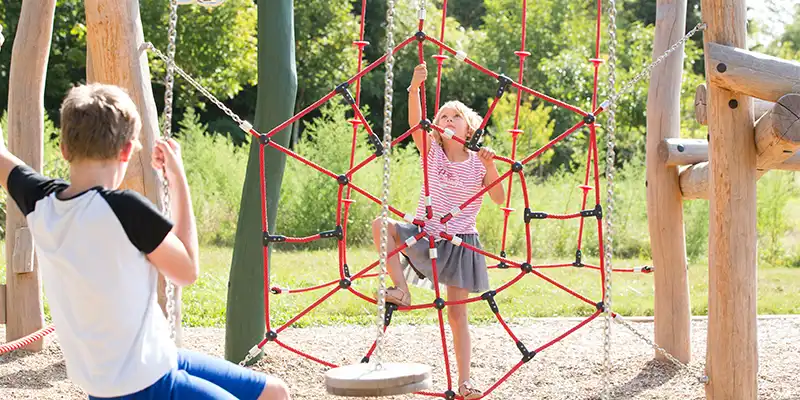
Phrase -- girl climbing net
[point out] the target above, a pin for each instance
(455, 174)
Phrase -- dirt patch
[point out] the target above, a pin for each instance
(571, 369)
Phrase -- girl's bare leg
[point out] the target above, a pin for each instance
(459, 325)
(392, 263)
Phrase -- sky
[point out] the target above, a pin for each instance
(772, 15)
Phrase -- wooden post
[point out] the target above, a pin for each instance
(692, 151)
(777, 138)
(732, 353)
(29, 56)
(2, 303)
(115, 42)
(664, 204)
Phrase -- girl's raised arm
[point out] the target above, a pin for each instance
(415, 108)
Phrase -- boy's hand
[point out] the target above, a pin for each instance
(420, 74)
(486, 155)
(167, 157)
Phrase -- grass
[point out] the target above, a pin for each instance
(204, 302)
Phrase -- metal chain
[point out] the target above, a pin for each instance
(698, 373)
(169, 80)
(609, 211)
(195, 84)
(646, 72)
(387, 143)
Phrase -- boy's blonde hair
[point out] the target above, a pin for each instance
(470, 116)
(97, 121)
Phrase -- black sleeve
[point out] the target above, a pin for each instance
(144, 224)
(26, 187)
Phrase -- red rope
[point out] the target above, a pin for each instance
(26, 340)
(551, 143)
(306, 355)
(264, 228)
(301, 159)
(567, 333)
(307, 310)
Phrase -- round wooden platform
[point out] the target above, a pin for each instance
(364, 380)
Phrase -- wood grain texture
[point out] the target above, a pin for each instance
(760, 107)
(751, 73)
(732, 352)
(29, 56)
(664, 204)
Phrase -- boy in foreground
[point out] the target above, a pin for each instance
(100, 250)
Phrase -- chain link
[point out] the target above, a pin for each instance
(698, 373)
(387, 143)
(628, 86)
(195, 84)
(169, 80)
(609, 211)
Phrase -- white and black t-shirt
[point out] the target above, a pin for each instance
(100, 287)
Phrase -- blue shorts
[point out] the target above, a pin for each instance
(200, 377)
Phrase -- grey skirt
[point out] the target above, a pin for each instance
(456, 265)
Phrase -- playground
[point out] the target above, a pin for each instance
(748, 105)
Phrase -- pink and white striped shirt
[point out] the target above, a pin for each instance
(451, 185)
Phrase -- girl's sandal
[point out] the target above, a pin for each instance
(397, 296)
(468, 392)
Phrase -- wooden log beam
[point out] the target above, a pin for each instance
(683, 152)
(777, 141)
(664, 206)
(751, 73)
(760, 107)
(732, 347)
(116, 55)
(29, 56)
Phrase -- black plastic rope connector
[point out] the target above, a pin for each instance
(529, 215)
(526, 268)
(504, 82)
(578, 259)
(344, 283)
(390, 309)
(275, 290)
(525, 353)
(264, 139)
(346, 270)
(439, 303)
(474, 142)
(516, 166)
(589, 119)
(449, 395)
(343, 180)
(489, 297)
(337, 232)
(425, 124)
(420, 35)
(503, 254)
(272, 238)
(271, 336)
(365, 360)
(503, 264)
(597, 211)
(376, 143)
(348, 97)
(600, 306)
(529, 356)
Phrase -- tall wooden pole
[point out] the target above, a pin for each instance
(115, 41)
(664, 202)
(25, 313)
(732, 355)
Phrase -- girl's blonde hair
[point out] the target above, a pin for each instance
(470, 116)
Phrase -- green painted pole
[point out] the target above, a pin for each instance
(277, 88)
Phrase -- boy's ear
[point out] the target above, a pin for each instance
(126, 152)
(64, 151)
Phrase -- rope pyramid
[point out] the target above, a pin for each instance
(345, 180)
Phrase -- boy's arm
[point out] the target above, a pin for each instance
(177, 257)
(8, 162)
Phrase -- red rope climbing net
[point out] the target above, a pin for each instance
(585, 119)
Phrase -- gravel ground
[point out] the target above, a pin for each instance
(571, 369)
